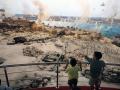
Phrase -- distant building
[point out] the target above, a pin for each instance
(26, 17)
(64, 18)
(117, 21)
(98, 20)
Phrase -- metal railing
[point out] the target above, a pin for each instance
(5, 67)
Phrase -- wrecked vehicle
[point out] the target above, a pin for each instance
(111, 75)
(53, 57)
(2, 60)
(19, 40)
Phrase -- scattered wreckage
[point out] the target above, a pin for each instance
(32, 51)
(116, 40)
(53, 57)
(28, 82)
(109, 75)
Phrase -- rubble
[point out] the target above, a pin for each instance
(105, 40)
(32, 82)
(116, 40)
(60, 33)
(58, 45)
(68, 32)
(15, 25)
(32, 51)
(18, 22)
(88, 36)
(41, 40)
(17, 40)
(109, 74)
(36, 27)
(52, 32)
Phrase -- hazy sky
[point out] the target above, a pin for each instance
(89, 8)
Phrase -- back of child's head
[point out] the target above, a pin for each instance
(97, 55)
(73, 61)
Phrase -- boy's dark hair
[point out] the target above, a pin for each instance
(73, 61)
(98, 55)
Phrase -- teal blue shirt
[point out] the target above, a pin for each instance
(96, 67)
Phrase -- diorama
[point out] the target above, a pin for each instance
(37, 37)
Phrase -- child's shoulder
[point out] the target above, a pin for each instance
(102, 62)
(77, 66)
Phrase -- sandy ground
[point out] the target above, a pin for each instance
(14, 55)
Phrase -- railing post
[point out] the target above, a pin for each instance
(57, 75)
(6, 76)
(57, 84)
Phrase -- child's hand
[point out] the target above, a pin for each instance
(80, 65)
(85, 56)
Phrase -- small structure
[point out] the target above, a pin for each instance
(26, 17)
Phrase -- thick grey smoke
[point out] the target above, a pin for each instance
(42, 9)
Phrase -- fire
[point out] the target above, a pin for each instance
(38, 27)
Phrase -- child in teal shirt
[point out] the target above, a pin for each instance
(96, 69)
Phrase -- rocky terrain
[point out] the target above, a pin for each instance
(41, 40)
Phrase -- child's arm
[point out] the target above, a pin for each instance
(67, 69)
(66, 65)
(80, 65)
(88, 59)
(103, 66)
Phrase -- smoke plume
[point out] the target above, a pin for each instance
(42, 10)
(85, 10)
